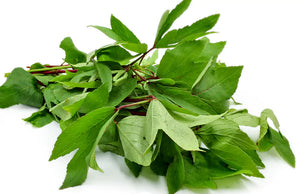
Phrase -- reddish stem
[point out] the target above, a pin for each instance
(55, 71)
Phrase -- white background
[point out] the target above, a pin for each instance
(261, 35)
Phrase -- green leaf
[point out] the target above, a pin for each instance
(122, 31)
(219, 84)
(119, 93)
(159, 118)
(40, 118)
(264, 126)
(181, 97)
(105, 74)
(242, 117)
(225, 131)
(192, 32)
(108, 32)
(84, 135)
(175, 174)
(65, 114)
(192, 120)
(113, 53)
(95, 99)
(20, 88)
(56, 93)
(136, 47)
(134, 139)
(236, 158)
(198, 176)
(134, 167)
(282, 146)
(169, 18)
(73, 55)
(71, 85)
(180, 62)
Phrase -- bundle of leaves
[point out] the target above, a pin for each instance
(173, 117)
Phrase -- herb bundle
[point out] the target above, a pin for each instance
(173, 117)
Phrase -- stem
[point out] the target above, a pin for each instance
(49, 69)
(133, 104)
(127, 67)
(55, 71)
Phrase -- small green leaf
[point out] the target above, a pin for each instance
(169, 18)
(105, 74)
(175, 174)
(192, 32)
(122, 31)
(73, 55)
(242, 117)
(40, 118)
(108, 32)
(264, 126)
(282, 146)
(134, 167)
(66, 114)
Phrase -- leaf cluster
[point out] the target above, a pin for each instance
(172, 116)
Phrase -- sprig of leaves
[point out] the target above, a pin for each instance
(172, 116)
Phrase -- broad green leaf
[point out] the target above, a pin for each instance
(95, 99)
(210, 165)
(159, 118)
(218, 84)
(192, 32)
(20, 88)
(73, 55)
(179, 63)
(84, 135)
(225, 131)
(134, 167)
(181, 97)
(264, 126)
(242, 117)
(236, 158)
(64, 114)
(40, 118)
(122, 31)
(108, 32)
(175, 174)
(44, 79)
(169, 18)
(119, 93)
(104, 74)
(197, 176)
(134, 139)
